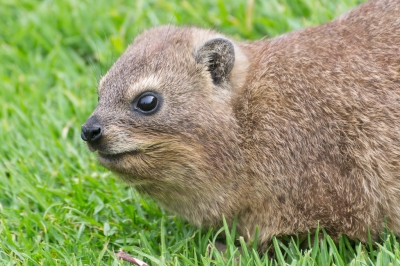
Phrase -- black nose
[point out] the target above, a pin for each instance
(91, 133)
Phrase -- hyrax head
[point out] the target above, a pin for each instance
(164, 113)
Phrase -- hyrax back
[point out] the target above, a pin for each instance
(283, 133)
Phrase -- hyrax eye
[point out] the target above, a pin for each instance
(147, 103)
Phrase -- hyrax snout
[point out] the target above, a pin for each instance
(283, 133)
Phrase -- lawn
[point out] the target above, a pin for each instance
(58, 206)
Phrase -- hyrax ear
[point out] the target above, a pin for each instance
(219, 56)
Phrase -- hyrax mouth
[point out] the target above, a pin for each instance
(118, 163)
(115, 156)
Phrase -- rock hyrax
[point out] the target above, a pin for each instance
(283, 133)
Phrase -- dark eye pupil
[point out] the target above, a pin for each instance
(147, 103)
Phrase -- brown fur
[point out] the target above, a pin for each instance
(304, 129)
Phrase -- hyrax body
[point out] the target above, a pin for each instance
(283, 133)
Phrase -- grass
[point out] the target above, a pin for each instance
(57, 205)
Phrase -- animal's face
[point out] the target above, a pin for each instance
(163, 111)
